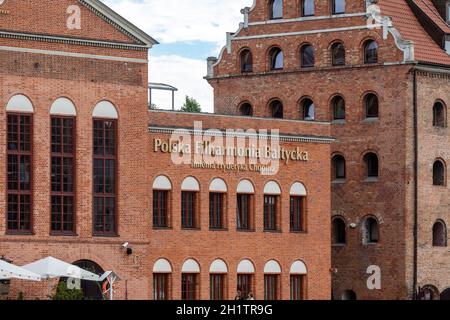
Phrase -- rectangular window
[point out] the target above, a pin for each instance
(104, 172)
(297, 214)
(160, 209)
(270, 213)
(216, 210)
(217, 287)
(271, 289)
(62, 175)
(19, 171)
(338, 6)
(188, 209)
(189, 287)
(297, 287)
(244, 212)
(245, 284)
(161, 286)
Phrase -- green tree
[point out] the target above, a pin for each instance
(64, 293)
(191, 105)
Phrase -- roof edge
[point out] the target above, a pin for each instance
(119, 22)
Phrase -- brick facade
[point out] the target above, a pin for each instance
(41, 65)
(390, 198)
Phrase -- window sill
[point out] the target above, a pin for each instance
(371, 120)
(371, 244)
(20, 233)
(298, 232)
(190, 229)
(97, 235)
(218, 229)
(338, 245)
(338, 121)
(162, 228)
(371, 179)
(273, 231)
(62, 234)
(339, 181)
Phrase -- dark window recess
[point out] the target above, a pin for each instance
(19, 172)
(217, 287)
(63, 175)
(439, 234)
(297, 287)
(271, 289)
(161, 286)
(338, 54)
(307, 56)
(246, 110)
(297, 205)
(372, 106)
(372, 231)
(371, 52)
(339, 167)
(276, 59)
(371, 161)
(246, 61)
(216, 210)
(270, 213)
(160, 208)
(338, 104)
(439, 115)
(105, 171)
(245, 284)
(189, 287)
(338, 231)
(308, 110)
(276, 109)
(438, 174)
(188, 209)
(244, 214)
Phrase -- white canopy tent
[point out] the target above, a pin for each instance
(10, 271)
(49, 268)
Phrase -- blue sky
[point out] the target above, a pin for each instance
(189, 31)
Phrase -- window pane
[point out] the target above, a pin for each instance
(307, 56)
(277, 9)
(188, 209)
(243, 212)
(270, 212)
(160, 208)
(161, 286)
(296, 213)
(309, 110)
(307, 8)
(244, 285)
(339, 6)
(216, 210)
(271, 287)
(217, 287)
(189, 287)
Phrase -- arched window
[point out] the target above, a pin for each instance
(162, 271)
(217, 204)
(307, 8)
(245, 206)
(90, 290)
(276, 109)
(439, 234)
(298, 208)
(276, 59)
(245, 278)
(276, 9)
(338, 231)
(338, 167)
(338, 104)
(338, 54)
(246, 61)
(429, 292)
(272, 217)
(218, 278)
(371, 105)
(439, 115)
(349, 295)
(307, 56)
(190, 280)
(246, 110)
(370, 52)
(371, 161)
(371, 232)
(19, 166)
(439, 173)
(338, 6)
(298, 275)
(161, 202)
(272, 272)
(190, 212)
(307, 109)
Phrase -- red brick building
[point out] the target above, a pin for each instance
(379, 72)
(88, 169)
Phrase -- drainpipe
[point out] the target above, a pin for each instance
(416, 184)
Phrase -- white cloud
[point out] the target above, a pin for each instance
(185, 74)
(171, 21)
